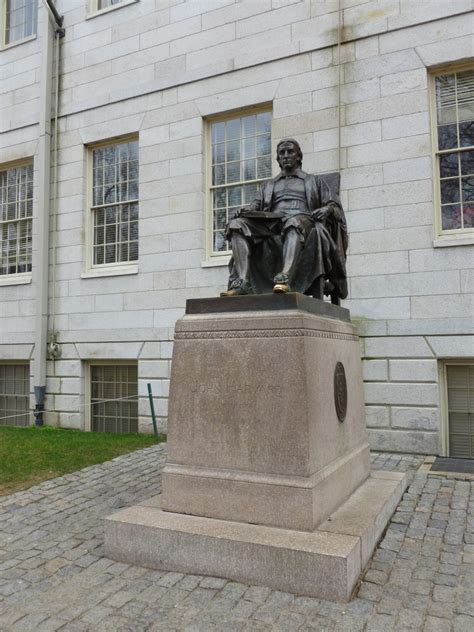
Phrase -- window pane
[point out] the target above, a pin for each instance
(450, 191)
(219, 198)
(218, 174)
(218, 132)
(233, 150)
(249, 147)
(451, 217)
(465, 95)
(250, 172)
(467, 187)
(235, 196)
(263, 145)
(466, 134)
(447, 136)
(233, 172)
(448, 165)
(220, 243)
(264, 123)
(249, 125)
(218, 153)
(264, 167)
(233, 129)
(467, 162)
(220, 219)
(468, 215)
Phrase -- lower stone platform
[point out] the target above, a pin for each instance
(325, 563)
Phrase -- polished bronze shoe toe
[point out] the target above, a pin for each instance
(281, 288)
(238, 287)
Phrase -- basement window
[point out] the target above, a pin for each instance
(14, 395)
(114, 397)
(460, 409)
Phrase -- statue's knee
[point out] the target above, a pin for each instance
(235, 225)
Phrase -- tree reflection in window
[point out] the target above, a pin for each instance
(115, 203)
(455, 118)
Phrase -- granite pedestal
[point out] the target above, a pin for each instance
(267, 478)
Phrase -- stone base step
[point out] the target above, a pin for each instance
(325, 563)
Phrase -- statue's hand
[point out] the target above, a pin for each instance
(237, 213)
(321, 214)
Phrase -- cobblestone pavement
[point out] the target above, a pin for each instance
(53, 575)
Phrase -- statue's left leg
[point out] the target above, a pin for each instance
(292, 246)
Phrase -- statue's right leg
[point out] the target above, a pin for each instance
(241, 251)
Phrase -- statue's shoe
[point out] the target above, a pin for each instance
(282, 285)
(239, 287)
(281, 288)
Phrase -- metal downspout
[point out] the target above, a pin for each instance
(41, 234)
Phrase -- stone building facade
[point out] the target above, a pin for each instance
(165, 115)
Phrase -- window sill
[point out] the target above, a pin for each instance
(16, 279)
(94, 273)
(95, 14)
(216, 262)
(30, 38)
(461, 240)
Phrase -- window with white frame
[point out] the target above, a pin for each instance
(240, 157)
(14, 395)
(114, 209)
(16, 219)
(20, 20)
(454, 150)
(114, 397)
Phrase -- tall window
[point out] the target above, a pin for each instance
(455, 149)
(20, 19)
(115, 203)
(114, 398)
(240, 161)
(14, 394)
(16, 218)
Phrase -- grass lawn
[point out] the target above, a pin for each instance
(31, 455)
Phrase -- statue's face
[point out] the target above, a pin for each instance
(288, 156)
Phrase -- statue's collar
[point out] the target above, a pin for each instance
(297, 174)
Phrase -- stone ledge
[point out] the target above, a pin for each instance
(325, 563)
(267, 302)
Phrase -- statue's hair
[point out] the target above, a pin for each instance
(298, 149)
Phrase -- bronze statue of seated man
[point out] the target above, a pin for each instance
(292, 238)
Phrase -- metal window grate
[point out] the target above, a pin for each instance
(14, 395)
(115, 203)
(460, 383)
(21, 18)
(241, 160)
(455, 117)
(114, 382)
(16, 213)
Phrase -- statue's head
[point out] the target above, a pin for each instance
(296, 147)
